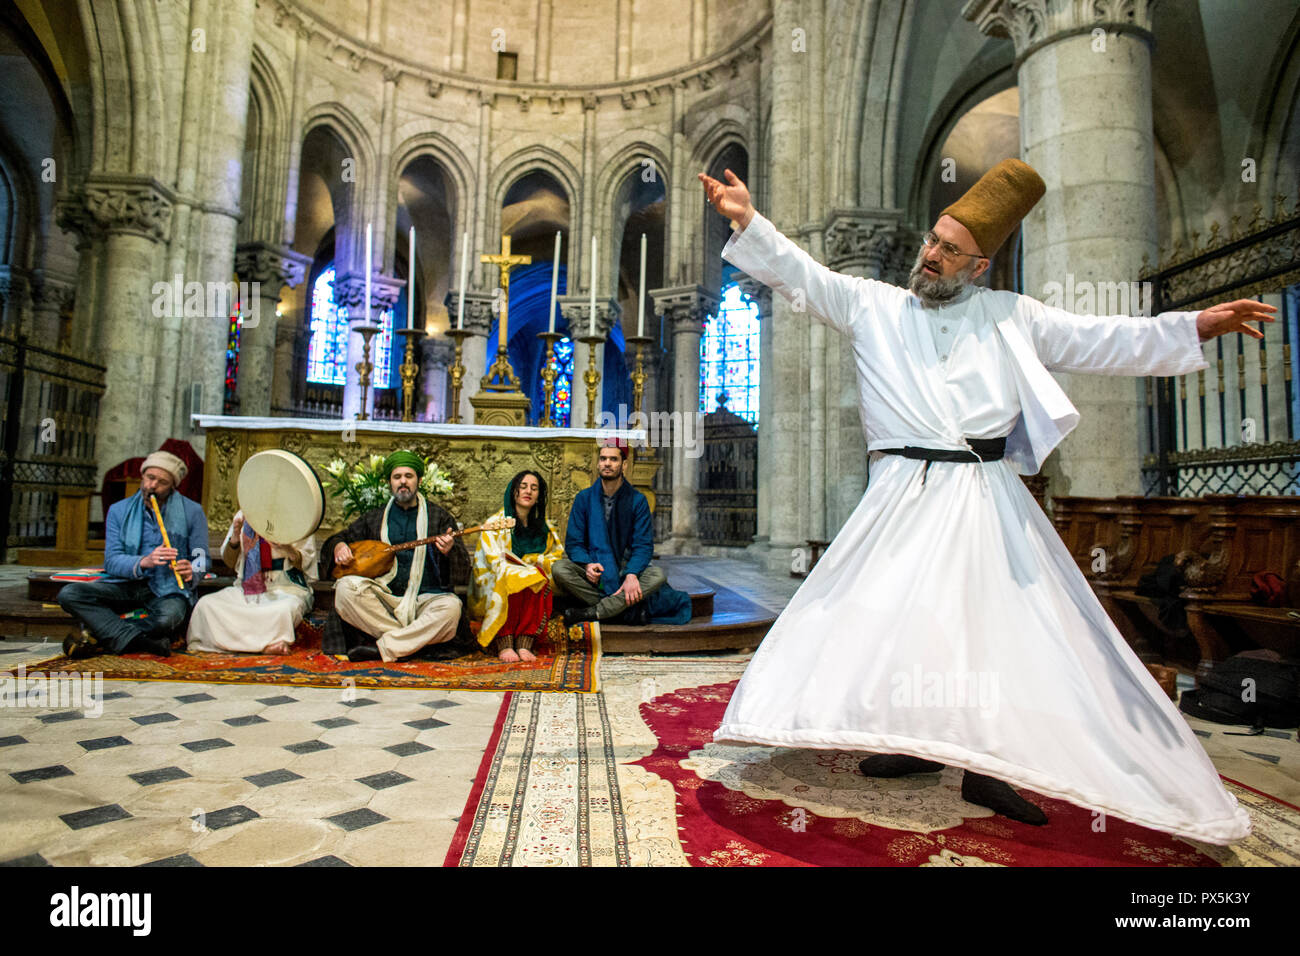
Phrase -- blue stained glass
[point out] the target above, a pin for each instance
(562, 403)
(729, 356)
(327, 353)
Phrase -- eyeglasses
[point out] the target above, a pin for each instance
(947, 249)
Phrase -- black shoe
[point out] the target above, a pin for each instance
(896, 765)
(80, 644)
(636, 615)
(443, 652)
(1000, 798)
(154, 644)
(578, 615)
(364, 652)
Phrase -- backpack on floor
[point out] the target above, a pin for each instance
(1256, 688)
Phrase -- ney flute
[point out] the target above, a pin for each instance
(157, 513)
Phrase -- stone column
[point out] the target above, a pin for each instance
(1084, 71)
(269, 268)
(478, 319)
(15, 289)
(134, 215)
(286, 365)
(761, 295)
(436, 358)
(51, 297)
(686, 309)
(577, 310)
(350, 291)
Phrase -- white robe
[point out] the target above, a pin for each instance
(947, 619)
(231, 621)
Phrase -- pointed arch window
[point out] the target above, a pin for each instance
(729, 356)
(327, 353)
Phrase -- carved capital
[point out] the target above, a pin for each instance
(577, 310)
(274, 266)
(1031, 24)
(478, 310)
(52, 294)
(869, 243)
(437, 352)
(350, 291)
(118, 205)
(685, 308)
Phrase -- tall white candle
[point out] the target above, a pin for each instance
(410, 285)
(464, 278)
(369, 259)
(640, 294)
(593, 285)
(555, 279)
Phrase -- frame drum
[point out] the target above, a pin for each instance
(281, 497)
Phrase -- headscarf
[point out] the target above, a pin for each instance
(530, 538)
(403, 459)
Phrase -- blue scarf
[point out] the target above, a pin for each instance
(178, 532)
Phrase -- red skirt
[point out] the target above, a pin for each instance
(527, 612)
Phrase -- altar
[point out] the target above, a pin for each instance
(480, 459)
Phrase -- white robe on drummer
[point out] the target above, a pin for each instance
(947, 619)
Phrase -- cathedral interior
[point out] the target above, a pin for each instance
(202, 203)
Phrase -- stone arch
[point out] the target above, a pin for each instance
(455, 164)
(266, 170)
(1275, 132)
(342, 123)
(628, 158)
(513, 168)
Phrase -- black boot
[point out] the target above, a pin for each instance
(158, 645)
(1000, 798)
(80, 643)
(896, 765)
(363, 652)
(579, 615)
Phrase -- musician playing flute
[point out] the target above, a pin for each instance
(412, 609)
(148, 568)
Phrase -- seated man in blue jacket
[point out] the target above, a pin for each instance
(608, 545)
(139, 568)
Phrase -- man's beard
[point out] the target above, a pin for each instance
(404, 496)
(934, 293)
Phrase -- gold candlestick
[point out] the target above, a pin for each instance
(457, 373)
(549, 375)
(642, 342)
(592, 375)
(409, 370)
(364, 367)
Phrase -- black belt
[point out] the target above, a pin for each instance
(981, 449)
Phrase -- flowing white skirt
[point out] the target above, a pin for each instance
(228, 620)
(949, 621)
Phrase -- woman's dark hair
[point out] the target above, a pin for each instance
(537, 514)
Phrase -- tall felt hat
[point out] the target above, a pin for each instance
(994, 206)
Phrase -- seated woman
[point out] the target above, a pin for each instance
(510, 589)
(272, 591)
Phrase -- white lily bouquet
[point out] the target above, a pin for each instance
(364, 486)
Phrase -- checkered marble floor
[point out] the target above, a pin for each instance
(200, 774)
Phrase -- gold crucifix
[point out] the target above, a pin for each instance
(501, 371)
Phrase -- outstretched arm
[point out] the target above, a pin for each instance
(1165, 344)
(761, 251)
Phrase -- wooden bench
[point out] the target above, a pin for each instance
(1220, 541)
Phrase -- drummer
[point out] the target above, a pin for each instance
(412, 610)
(143, 573)
(259, 613)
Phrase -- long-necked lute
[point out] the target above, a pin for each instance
(373, 559)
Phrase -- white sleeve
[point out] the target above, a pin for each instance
(1166, 344)
(762, 252)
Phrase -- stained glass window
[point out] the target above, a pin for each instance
(232, 358)
(327, 354)
(729, 356)
(562, 402)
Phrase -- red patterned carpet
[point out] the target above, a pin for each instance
(562, 664)
(755, 806)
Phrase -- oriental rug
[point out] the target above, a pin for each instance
(566, 661)
(545, 795)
